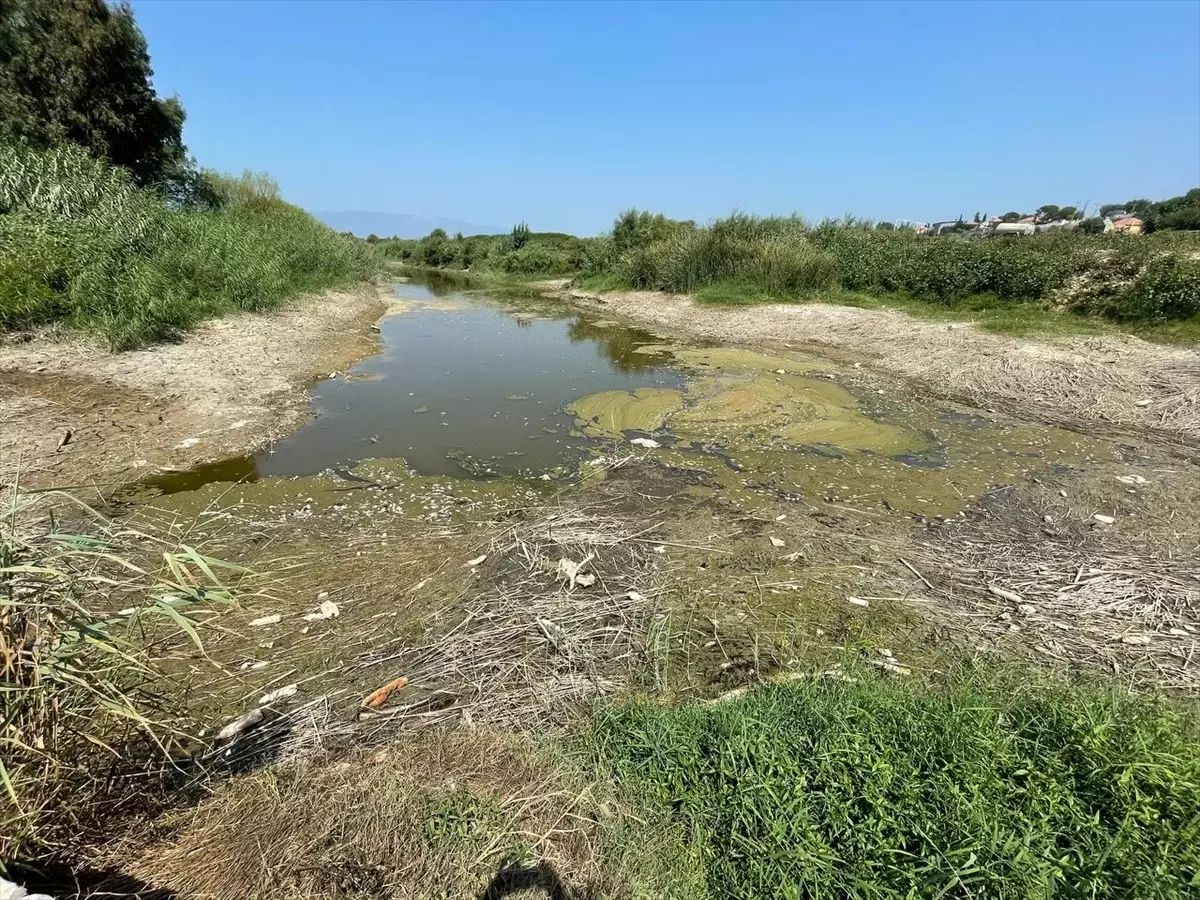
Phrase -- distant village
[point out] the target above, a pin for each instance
(1044, 220)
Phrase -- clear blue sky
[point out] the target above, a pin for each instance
(563, 114)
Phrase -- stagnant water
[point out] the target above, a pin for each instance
(464, 385)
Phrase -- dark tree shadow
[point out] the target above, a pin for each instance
(64, 881)
(513, 879)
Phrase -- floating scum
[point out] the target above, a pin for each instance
(768, 395)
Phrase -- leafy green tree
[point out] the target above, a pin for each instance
(884, 226)
(1010, 217)
(1069, 213)
(520, 236)
(79, 71)
(1094, 225)
(1049, 212)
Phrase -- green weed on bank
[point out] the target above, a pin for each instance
(986, 788)
(79, 244)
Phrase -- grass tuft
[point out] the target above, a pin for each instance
(85, 614)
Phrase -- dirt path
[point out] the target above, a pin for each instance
(1119, 383)
(229, 387)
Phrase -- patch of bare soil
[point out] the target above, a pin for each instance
(71, 412)
(1121, 383)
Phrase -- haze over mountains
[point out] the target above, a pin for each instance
(362, 223)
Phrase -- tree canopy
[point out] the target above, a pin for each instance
(79, 71)
(1180, 213)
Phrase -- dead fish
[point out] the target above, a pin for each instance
(278, 694)
(237, 726)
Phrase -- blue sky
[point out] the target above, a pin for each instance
(564, 114)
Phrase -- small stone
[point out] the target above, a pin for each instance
(776, 542)
(1136, 639)
(1027, 609)
(472, 563)
(265, 620)
(1103, 519)
(1143, 403)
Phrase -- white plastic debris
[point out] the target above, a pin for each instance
(187, 442)
(776, 542)
(324, 595)
(1027, 609)
(1143, 403)
(327, 610)
(572, 571)
(781, 518)
(1137, 639)
(645, 442)
(265, 620)
(636, 597)
(477, 561)
(237, 726)
(278, 694)
(857, 601)
(781, 371)
(1103, 519)
(11, 891)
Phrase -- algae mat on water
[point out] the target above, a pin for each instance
(612, 413)
(744, 399)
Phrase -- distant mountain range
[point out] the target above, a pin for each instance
(397, 224)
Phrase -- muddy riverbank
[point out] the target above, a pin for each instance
(1108, 383)
(73, 413)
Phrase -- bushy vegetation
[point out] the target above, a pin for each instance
(1135, 279)
(774, 255)
(80, 243)
(522, 252)
(988, 787)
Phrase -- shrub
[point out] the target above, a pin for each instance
(534, 259)
(775, 255)
(1166, 290)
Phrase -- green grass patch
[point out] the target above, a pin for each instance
(605, 281)
(988, 786)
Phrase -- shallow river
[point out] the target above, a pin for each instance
(484, 386)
